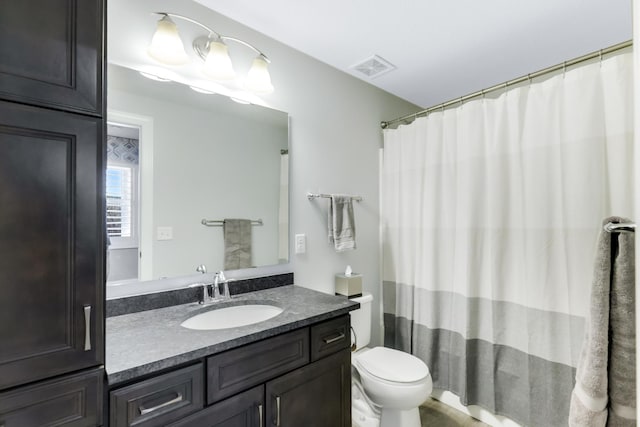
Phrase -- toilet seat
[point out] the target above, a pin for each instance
(392, 366)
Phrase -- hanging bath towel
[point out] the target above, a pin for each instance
(237, 244)
(342, 225)
(605, 390)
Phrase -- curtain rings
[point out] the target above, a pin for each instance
(600, 57)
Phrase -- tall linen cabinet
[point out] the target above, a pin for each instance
(52, 237)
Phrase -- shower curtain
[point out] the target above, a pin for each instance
(491, 213)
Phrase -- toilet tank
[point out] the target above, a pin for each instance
(361, 321)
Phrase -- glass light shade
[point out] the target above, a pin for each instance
(258, 79)
(166, 45)
(218, 64)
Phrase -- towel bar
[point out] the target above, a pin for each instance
(312, 196)
(220, 222)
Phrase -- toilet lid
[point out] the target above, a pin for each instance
(393, 365)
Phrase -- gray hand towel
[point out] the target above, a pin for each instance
(342, 226)
(237, 244)
(604, 394)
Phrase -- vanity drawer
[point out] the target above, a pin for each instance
(239, 369)
(70, 400)
(159, 400)
(330, 337)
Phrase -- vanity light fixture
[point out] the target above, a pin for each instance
(167, 47)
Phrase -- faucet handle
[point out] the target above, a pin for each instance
(203, 292)
(216, 290)
(226, 294)
(202, 269)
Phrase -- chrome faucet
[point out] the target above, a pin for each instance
(210, 293)
(204, 295)
(218, 280)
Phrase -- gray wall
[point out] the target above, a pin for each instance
(123, 264)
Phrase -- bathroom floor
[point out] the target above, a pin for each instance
(434, 413)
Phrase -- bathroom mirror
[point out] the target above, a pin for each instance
(177, 157)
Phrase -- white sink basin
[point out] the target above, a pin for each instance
(231, 317)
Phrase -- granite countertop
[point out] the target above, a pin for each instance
(149, 341)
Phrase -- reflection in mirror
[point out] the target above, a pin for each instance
(177, 157)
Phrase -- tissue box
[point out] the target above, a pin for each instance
(349, 286)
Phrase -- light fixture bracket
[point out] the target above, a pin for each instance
(201, 45)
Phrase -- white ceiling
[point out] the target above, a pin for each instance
(443, 49)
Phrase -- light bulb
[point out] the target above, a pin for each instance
(166, 45)
(258, 79)
(217, 65)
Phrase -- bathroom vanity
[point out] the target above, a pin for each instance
(293, 369)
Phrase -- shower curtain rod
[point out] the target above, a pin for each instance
(505, 85)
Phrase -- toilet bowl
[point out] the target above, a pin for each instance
(395, 383)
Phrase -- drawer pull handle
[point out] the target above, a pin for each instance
(277, 411)
(259, 415)
(176, 399)
(87, 327)
(334, 339)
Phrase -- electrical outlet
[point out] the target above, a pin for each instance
(164, 233)
(301, 243)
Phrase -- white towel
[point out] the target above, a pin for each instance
(604, 394)
(342, 226)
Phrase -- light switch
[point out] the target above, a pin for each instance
(301, 243)
(165, 233)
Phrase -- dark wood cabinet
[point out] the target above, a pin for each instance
(51, 53)
(271, 382)
(316, 395)
(51, 212)
(235, 370)
(51, 298)
(73, 400)
(242, 410)
(159, 400)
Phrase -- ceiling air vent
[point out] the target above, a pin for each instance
(373, 67)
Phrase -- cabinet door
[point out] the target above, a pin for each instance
(316, 395)
(72, 401)
(51, 53)
(51, 243)
(242, 410)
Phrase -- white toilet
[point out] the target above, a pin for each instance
(394, 383)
